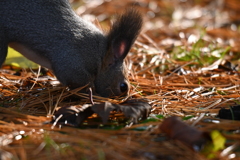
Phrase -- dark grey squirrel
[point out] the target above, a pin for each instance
(49, 33)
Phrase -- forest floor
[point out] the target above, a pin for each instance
(184, 64)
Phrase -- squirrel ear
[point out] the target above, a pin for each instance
(124, 32)
(120, 49)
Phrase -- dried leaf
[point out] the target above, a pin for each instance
(178, 130)
(104, 109)
(72, 115)
(134, 109)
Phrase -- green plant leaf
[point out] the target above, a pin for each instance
(218, 142)
(16, 59)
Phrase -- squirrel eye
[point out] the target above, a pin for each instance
(124, 87)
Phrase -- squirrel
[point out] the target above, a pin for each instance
(50, 33)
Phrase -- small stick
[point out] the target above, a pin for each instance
(90, 95)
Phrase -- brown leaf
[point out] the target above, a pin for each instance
(72, 115)
(190, 136)
(104, 109)
(133, 109)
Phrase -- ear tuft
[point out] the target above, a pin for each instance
(124, 32)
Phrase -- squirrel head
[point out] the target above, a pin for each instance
(112, 79)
